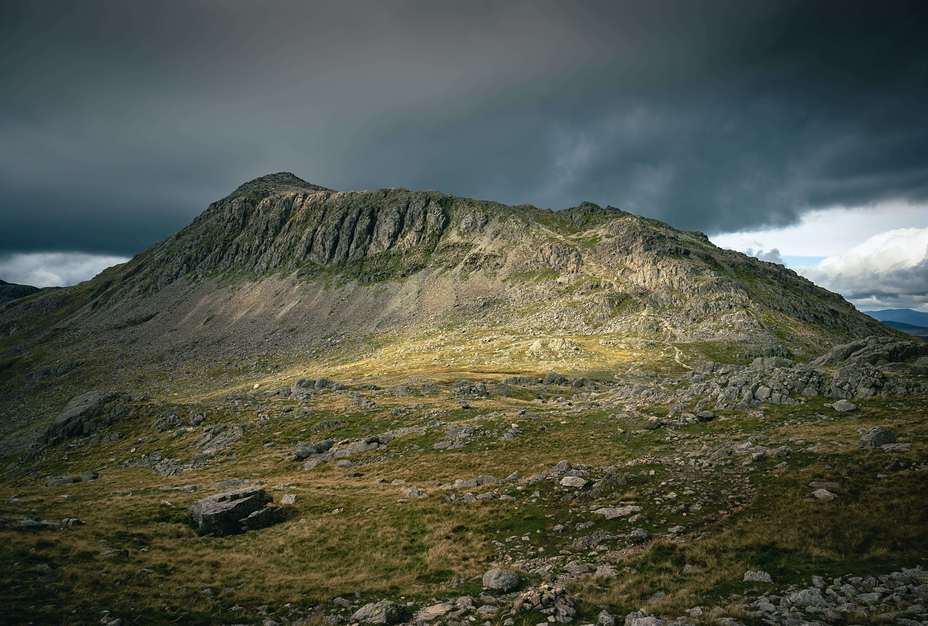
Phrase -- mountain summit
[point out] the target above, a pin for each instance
(396, 257)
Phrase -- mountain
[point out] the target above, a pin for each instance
(904, 316)
(11, 291)
(393, 406)
(909, 329)
(282, 270)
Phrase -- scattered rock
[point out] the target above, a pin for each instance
(640, 618)
(69, 479)
(614, 512)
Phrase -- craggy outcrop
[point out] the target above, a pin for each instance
(86, 414)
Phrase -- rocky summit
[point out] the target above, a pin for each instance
(341, 407)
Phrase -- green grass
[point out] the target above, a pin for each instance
(352, 529)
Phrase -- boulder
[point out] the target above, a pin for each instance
(302, 388)
(435, 611)
(233, 512)
(383, 612)
(504, 580)
(843, 406)
(876, 437)
(757, 576)
(574, 482)
(306, 450)
(807, 598)
(824, 495)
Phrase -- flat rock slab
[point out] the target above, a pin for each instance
(234, 512)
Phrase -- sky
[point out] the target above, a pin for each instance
(793, 130)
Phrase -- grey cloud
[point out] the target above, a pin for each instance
(54, 269)
(899, 288)
(121, 121)
(772, 255)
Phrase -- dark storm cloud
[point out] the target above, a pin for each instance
(120, 121)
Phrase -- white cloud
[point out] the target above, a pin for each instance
(889, 269)
(876, 256)
(54, 269)
(828, 232)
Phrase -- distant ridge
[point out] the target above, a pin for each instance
(12, 291)
(902, 316)
(909, 329)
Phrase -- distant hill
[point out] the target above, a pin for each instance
(909, 329)
(901, 316)
(12, 291)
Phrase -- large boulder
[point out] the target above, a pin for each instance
(85, 414)
(235, 511)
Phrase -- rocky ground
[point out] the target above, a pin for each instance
(506, 499)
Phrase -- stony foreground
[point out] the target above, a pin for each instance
(635, 498)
